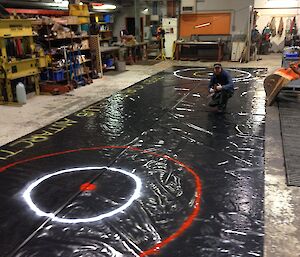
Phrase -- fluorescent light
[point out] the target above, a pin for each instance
(63, 3)
(104, 7)
(202, 25)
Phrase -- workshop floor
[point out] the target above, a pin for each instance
(281, 203)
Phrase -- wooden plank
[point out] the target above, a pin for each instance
(273, 84)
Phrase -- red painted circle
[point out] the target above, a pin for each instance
(184, 226)
(87, 187)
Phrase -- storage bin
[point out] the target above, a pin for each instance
(85, 27)
(291, 55)
(107, 18)
(287, 61)
(57, 75)
(109, 62)
(292, 51)
(45, 75)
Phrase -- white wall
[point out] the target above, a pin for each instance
(238, 8)
(276, 8)
(124, 12)
(120, 20)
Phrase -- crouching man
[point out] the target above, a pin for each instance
(221, 86)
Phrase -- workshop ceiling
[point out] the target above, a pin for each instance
(32, 4)
(57, 3)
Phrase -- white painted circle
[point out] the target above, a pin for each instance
(31, 204)
(247, 74)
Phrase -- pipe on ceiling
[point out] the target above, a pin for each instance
(32, 5)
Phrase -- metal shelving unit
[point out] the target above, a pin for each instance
(71, 61)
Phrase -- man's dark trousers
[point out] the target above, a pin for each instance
(220, 99)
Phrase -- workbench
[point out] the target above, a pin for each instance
(136, 51)
(107, 49)
(199, 50)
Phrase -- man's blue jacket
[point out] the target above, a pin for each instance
(224, 79)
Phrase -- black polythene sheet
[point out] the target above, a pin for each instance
(201, 174)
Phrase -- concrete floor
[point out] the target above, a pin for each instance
(282, 203)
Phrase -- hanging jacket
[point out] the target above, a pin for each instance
(292, 25)
(280, 27)
(287, 26)
(273, 27)
(266, 34)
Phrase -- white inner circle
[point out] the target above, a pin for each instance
(247, 76)
(39, 212)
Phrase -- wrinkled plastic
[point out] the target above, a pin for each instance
(172, 133)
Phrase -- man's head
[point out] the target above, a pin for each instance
(217, 68)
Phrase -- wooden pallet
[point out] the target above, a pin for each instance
(56, 89)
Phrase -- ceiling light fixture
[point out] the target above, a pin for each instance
(63, 3)
(101, 6)
(202, 25)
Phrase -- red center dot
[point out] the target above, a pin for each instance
(87, 187)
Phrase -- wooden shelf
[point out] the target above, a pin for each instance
(105, 39)
(68, 50)
(87, 60)
(109, 68)
(75, 37)
(84, 73)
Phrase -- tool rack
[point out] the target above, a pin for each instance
(11, 67)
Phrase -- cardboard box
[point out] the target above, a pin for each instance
(85, 44)
(67, 20)
(79, 10)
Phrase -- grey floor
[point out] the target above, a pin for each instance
(282, 203)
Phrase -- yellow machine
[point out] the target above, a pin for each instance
(16, 35)
(81, 11)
